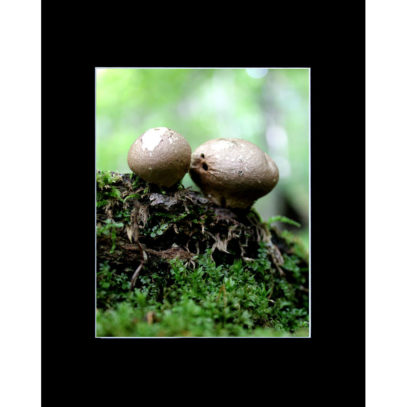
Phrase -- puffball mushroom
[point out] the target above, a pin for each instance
(233, 172)
(160, 156)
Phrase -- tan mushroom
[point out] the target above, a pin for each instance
(233, 172)
(160, 156)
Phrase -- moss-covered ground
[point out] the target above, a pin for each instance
(172, 264)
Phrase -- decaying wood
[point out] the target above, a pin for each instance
(186, 224)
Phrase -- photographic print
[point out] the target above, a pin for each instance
(202, 202)
(201, 213)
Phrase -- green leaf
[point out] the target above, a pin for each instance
(115, 193)
(137, 196)
(283, 219)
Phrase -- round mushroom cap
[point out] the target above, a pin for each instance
(160, 156)
(233, 172)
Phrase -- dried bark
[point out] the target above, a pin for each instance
(139, 223)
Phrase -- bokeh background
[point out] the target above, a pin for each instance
(269, 107)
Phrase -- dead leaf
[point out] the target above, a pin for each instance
(220, 244)
(129, 231)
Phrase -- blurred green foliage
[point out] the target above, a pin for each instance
(269, 107)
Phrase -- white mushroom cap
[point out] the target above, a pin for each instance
(160, 156)
(233, 172)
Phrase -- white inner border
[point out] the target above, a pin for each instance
(309, 213)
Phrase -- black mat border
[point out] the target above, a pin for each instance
(332, 44)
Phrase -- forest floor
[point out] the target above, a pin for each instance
(172, 264)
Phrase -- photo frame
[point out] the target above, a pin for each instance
(337, 216)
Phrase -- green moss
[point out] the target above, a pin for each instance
(215, 293)
(243, 299)
(109, 229)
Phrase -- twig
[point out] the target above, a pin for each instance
(136, 274)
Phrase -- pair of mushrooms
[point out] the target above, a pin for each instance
(231, 172)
